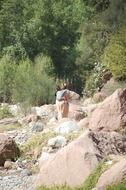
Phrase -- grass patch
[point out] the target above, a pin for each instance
(5, 113)
(36, 141)
(4, 128)
(74, 135)
(91, 181)
(55, 188)
(118, 186)
(40, 140)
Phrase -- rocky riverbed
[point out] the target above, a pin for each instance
(20, 181)
(18, 175)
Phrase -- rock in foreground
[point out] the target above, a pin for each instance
(8, 149)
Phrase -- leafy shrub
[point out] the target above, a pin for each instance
(4, 112)
(37, 140)
(114, 57)
(7, 75)
(94, 81)
(32, 85)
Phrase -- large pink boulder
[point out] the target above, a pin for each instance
(71, 165)
(111, 114)
(8, 149)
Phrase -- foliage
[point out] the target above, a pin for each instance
(44, 64)
(71, 35)
(37, 140)
(94, 81)
(55, 188)
(11, 22)
(7, 75)
(32, 85)
(9, 127)
(28, 83)
(103, 20)
(94, 176)
(115, 54)
(4, 112)
(118, 186)
(42, 27)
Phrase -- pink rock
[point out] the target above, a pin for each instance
(71, 165)
(111, 114)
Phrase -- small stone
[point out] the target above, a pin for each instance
(26, 172)
(8, 164)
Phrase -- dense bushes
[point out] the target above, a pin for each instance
(7, 75)
(26, 82)
(94, 81)
(114, 57)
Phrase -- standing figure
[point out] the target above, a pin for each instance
(62, 102)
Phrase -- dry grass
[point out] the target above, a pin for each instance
(36, 141)
(9, 127)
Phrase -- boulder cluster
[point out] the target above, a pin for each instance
(99, 126)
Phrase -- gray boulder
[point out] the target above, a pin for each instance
(67, 127)
(36, 126)
(57, 142)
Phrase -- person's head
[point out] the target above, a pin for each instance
(64, 85)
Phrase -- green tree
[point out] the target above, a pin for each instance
(11, 23)
(114, 57)
(32, 85)
(7, 75)
(102, 20)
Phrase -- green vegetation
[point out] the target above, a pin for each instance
(91, 181)
(9, 127)
(118, 186)
(56, 188)
(94, 81)
(71, 136)
(7, 74)
(4, 112)
(36, 141)
(43, 41)
(32, 84)
(115, 55)
(87, 185)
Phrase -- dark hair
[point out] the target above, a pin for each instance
(58, 88)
